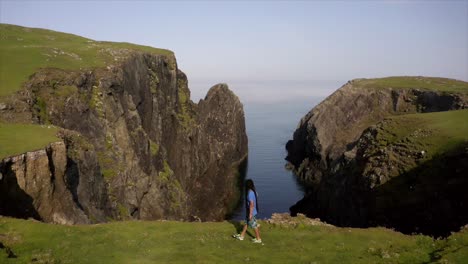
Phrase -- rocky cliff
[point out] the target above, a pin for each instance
(134, 144)
(360, 152)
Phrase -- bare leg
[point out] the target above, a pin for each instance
(244, 230)
(257, 233)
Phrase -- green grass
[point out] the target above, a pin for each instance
(166, 173)
(19, 138)
(435, 133)
(414, 82)
(184, 115)
(182, 242)
(24, 50)
(454, 248)
(154, 148)
(107, 163)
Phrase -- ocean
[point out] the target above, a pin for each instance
(272, 112)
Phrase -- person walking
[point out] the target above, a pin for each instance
(251, 206)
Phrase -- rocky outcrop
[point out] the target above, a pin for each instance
(146, 151)
(327, 152)
(61, 184)
(285, 220)
(330, 130)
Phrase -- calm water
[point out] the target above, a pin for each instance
(269, 127)
(272, 113)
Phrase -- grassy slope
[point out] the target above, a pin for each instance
(182, 242)
(19, 138)
(435, 133)
(441, 85)
(24, 50)
(416, 82)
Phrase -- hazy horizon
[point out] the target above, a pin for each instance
(269, 92)
(287, 44)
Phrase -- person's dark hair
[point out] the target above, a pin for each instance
(249, 185)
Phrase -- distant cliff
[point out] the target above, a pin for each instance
(133, 143)
(365, 149)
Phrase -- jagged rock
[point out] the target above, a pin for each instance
(286, 220)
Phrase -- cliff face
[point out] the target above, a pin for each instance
(135, 145)
(328, 154)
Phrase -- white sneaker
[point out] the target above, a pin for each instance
(256, 241)
(238, 237)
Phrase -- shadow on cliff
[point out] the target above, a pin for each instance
(72, 181)
(242, 170)
(431, 199)
(13, 200)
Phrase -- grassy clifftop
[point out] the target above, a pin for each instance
(19, 138)
(406, 142)
(182, 242)
(24, 50)
(433, 133)
(414, 82)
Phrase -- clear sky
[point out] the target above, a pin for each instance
(227, 41)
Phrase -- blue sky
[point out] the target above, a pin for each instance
(301, 41)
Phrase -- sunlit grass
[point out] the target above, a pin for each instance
(414, 82)
(20, 138)
(182, 242)
(24, 50)
(435, 133)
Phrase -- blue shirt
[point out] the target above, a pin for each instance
(252, 199)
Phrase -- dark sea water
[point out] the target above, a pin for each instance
(272, 113)
(269, 126)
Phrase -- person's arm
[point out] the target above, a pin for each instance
(251, 207)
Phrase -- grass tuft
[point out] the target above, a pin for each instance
(166, 173)
(154, 148)
(184, 115)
